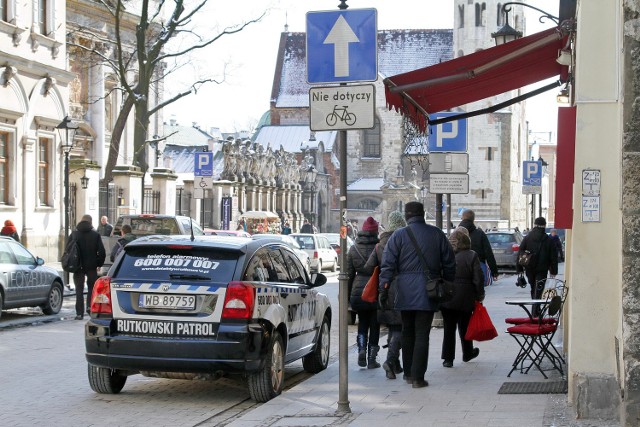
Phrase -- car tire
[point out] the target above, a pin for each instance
(1, 303)
(318, 359)
(105, 380)
(335, 265)
(319, 269)
(267, 383)
(351, 320)
(54, 300)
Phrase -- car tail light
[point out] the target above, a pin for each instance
(238, 301)
(337, 250)
(315, 254)
(101, 296)
(515, 247)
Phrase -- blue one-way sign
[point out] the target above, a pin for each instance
(450, 136)
(342, 46)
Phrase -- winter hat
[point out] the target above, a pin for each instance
(396, 220)
(540, 222)
(9, 223)
(370, 225)
(412, 209)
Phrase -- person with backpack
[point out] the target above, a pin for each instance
(92, 257)
(127, 237)
(541, 257)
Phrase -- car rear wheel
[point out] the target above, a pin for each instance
(335, 265)
(1, 303)
(54, 300)
(105, 380)
(268, 382)
(318, 359)
(319, 269)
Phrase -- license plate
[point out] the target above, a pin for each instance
(171, 302)
(499, 251)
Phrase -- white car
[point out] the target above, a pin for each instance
(292, 243)
(321, 254)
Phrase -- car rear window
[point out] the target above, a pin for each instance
(501, 238)
(305, 242)
(165, 263)
(149, 226)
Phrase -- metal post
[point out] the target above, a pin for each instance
(439, 211)
(533, 209)
(343, 280)
(449, 214)
(66, 202)
(540, 204)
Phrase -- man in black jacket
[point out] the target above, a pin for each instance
(480, 243)
(93, 255)
(545, 257)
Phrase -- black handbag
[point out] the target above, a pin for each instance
(438, 290)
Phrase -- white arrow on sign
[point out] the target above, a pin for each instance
(340, 36)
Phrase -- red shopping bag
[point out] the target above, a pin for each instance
(480, 326)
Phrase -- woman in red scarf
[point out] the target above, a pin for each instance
(10, 230)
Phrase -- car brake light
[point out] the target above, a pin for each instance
(238, 301)
(515, 247)
(315, 254)
(185, 247)
(101, 296)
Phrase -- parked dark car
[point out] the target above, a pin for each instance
(25, 281)
(505, 245)
(173, 307)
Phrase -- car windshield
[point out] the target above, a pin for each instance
(162, 263)
(501, 238)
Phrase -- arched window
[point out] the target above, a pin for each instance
(499, 16)
(371, 141)
(461, 16)
(483, 13)
(460, 53)
(478, 15)
(368, 204)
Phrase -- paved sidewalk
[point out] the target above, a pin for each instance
(465, 395)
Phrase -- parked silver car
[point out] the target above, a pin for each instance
(505, 245)
(320, 251)
(25, 281)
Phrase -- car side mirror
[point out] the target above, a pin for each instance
(39, 261)
(318, 279)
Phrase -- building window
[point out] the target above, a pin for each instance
(44, 166)
(480, 14)
(4, 167)
(461, 16)
(500, 16)
(368, 204)
(490, 153)
(4, 10)
(372, 140)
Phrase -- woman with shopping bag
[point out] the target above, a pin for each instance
(469, 289)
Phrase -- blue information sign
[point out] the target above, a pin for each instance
(531, 173)
(450, 136)
(342, 46)
(203, 165)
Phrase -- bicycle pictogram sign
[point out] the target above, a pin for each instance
(341, 113)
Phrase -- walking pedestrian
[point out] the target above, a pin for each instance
(9, 230)
(306, 227)
(286, 229)
(387, 315)
(105, 229)
(558, 243)
(469, 285)
(544, 257)
(358, 276)
(93, 255)
(127, 236)
(480, 244)
(401, 262)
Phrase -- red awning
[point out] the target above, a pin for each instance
(476, 76)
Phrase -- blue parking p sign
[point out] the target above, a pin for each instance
(448, 137)
(342, 46)
(532, 173)
(203, 165)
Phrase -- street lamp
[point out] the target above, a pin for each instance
(310, 179)
(84, 181)
(508, 33)
(69, 128)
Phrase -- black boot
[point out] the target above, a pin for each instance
(396, 367)
(388, 370)
(373, 355)
(362, 350)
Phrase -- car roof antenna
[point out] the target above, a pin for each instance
(191, 226)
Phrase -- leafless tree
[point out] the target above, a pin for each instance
(147, 50)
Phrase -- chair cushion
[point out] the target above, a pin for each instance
(521, 320)
(532, 329)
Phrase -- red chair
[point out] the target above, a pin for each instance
(534, 338)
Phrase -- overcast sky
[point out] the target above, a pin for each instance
(249, 57)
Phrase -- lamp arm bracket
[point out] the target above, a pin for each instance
(545, 15)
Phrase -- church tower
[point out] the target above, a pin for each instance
(497, 142)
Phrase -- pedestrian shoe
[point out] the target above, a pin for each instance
(397, 369)
(388, 371)
(448, 363)
(409, 380)
(419, 384)
(362, 358)
(474, 354)
(79, 317)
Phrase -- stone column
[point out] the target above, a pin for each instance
(129, 180)
(96, 112)
(164, 181)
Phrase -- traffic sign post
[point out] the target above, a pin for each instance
(342, 107)
(450, 136)
(448, 162)
(342, 46)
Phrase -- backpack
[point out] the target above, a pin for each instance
(71, 259)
